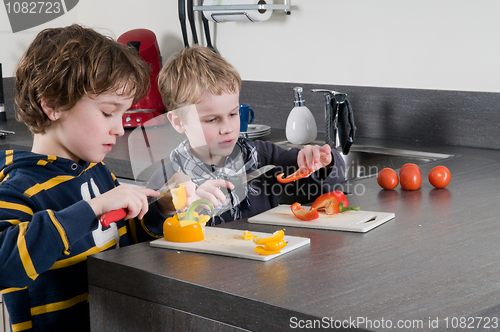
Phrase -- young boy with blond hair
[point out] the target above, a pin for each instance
(200, 90)
(72, 87)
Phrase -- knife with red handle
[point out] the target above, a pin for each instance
(115, 215)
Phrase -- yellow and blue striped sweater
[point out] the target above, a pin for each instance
(47, 230)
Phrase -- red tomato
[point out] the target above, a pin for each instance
(410, 178)
(440, 176)
(387, 178)
(407, 165)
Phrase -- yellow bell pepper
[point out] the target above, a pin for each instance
(179, 197)
(271, 245)
(247, 236)
(187, 226)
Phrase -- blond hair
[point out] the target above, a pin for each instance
(193, 71)
(63, 65)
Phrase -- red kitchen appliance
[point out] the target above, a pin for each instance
(149, 110)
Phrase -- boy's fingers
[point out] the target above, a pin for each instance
(211, 195)
(326, 149)
(221, 183)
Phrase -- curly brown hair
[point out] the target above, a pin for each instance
(62, 65)
(193, 71)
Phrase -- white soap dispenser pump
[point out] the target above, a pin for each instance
(300, 125)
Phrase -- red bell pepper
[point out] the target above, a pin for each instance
(303, 214)
(335, 197)
(299, 174)
(333, 203)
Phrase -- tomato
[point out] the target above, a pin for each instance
(407, 165)
(387, 178)
(410, 178)
(440, 176)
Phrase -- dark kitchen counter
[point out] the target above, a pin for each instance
(437, 259)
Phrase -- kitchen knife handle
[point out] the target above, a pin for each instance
(112, 216)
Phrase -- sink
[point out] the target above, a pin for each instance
(364, 161)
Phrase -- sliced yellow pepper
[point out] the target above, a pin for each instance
(274, 246)
(174, 232)
(247, 236)
(277, 236)
(263, 251)
(187, 226)
(271, 245)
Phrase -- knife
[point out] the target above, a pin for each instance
(115, 215)
(258, 172)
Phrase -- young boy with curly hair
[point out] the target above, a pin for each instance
(200, 90)
(72, 87)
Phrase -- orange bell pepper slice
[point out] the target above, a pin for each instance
(276, 236)
(303, 214)
(263, 251)
(275, 246)
(271, 245)
(299, 174)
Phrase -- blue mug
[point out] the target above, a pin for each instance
(246, 117)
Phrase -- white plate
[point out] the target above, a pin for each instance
(257, 128)
(256, 131)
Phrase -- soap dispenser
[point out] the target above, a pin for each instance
(300, 125)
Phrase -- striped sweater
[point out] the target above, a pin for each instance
(47, 230)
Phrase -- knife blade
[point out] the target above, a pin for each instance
(115, 215)
(258, 172)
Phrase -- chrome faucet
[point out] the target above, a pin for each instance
(332, 101)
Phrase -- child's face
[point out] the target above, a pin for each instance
(215, 126)
(89, 129)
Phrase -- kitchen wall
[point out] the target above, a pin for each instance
(425, 44)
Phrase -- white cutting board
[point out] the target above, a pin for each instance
(351, 221)
(228, 242)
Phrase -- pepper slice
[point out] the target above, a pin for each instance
(299, 174)
(334, 197)
(247, 236)
(271, 245)
(263, 251)
(189, 226)
(275, 246)
(303, 214)
(179, 197)
(276, 236)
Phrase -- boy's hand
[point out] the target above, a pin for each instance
(211, 190)
(314, 157)
(134, 200)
